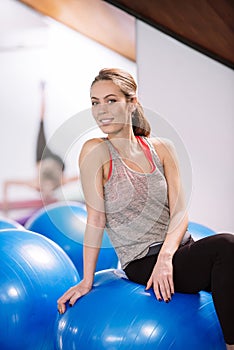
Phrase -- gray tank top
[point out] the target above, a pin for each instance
(136, 204)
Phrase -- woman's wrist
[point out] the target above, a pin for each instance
(87, 282)
(166, 255)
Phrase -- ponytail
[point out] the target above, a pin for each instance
(140, 124)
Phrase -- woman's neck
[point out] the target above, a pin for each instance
(126, 144)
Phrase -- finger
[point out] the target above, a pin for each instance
(65, 297)
(61, 308)
(165, 290)
(74, 298)
(62, 301)
(157, 291)
(149, 284)
(171, 283)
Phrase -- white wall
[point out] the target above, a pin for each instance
(32, 48)
(195, 95)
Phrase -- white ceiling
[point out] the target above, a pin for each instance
(20, 26)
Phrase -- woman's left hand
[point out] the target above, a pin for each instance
(162, 279)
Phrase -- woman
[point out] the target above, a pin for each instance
(132, 187)
(49, 166)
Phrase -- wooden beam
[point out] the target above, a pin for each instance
(205, 25)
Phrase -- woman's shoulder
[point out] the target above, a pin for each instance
(95, 146)
(163, 146)
(161, 142)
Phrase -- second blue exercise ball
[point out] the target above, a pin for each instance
(64, 223)
(199, 231)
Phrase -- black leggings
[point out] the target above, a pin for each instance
(207, 264)
(42, 151)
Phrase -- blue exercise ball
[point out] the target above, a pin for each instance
(8, 223)
(119, 314)
(35, 272)
(65, 223)
(199, 231)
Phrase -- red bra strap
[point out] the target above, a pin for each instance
(147, 151)
(110, 168)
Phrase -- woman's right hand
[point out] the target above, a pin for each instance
(72, 295)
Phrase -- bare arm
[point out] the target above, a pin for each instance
(91, 172)
(162, 275)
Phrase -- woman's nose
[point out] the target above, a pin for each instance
(102, 108)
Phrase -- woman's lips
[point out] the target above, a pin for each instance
(106, 121)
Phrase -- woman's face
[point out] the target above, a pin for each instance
(109, 107)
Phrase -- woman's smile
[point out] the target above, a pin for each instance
(105, 121)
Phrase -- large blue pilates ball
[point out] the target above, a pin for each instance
(119, 314)
(6, 223)
(65, 223)
(34, 273)
(199, 231)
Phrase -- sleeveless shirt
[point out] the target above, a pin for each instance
(136, 205)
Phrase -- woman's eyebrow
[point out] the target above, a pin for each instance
(105, 97)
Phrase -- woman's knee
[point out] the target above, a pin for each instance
(225, 244)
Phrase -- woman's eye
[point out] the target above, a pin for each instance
(111, 101)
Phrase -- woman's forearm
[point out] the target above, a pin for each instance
(176, 230)
(90, 256)
(92, 244)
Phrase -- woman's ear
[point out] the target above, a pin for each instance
(133, 103)
(134, 100)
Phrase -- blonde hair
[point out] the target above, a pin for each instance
(128, 87)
